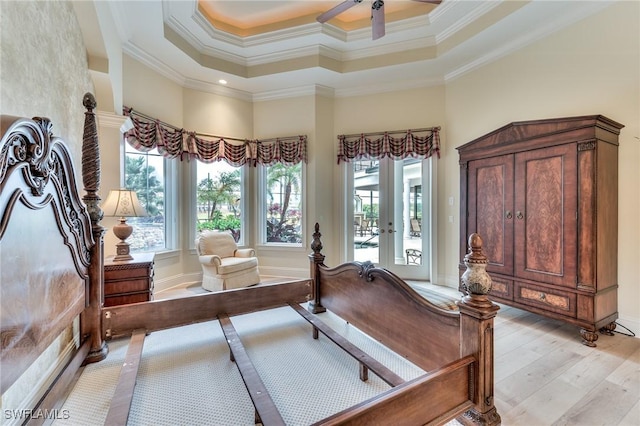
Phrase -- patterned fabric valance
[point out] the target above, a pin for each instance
(420, 143)
(145, 133)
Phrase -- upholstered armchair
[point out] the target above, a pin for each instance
(224, 265)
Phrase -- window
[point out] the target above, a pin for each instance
(146, 173)
(282, 204)
(219, 202)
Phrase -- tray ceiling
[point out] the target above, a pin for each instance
(267, 49)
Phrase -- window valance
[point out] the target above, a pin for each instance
(145, 133)
(419, 143)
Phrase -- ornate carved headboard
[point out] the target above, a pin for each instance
(46, 243)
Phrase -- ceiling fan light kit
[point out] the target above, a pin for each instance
(377, 14)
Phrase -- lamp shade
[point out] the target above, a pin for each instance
(123, 203)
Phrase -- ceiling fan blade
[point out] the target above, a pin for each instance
(377, 19)
(334, 11)
(429, 1)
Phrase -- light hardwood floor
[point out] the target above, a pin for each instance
(545, 376)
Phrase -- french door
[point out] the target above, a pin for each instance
(391, 215)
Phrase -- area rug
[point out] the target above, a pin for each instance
(187, 378)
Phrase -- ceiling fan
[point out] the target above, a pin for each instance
(377, 14)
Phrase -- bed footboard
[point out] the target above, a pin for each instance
(390, 311)
(430, 399)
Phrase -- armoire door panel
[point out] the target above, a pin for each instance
(545, 215)
(491, 209)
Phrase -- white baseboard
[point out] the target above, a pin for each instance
(167, 283)
(633, 324)
(177, 280)
(284, 272)
(447, 281)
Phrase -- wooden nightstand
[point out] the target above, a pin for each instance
(129, 281)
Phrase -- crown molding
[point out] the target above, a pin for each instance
(462, 23)
(305, 30)
(388, 49)
(294, 92)
(388, 87)
(109, 119)
(204, 86)
(150, 61)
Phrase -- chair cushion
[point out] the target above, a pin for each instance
(215, 242)
(234, 264)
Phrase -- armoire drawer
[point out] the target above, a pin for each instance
(501, 288)
(551, 300)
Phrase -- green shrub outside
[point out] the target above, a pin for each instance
(219, 222)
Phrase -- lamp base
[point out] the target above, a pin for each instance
(122, 252)
(122, 230)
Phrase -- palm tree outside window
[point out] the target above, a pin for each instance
(144, 172)
(283, 204)
(219, 198)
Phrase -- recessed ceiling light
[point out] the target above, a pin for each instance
(222, 81)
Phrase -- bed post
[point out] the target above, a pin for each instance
(316, 259)
(92, 316)
(476, 327)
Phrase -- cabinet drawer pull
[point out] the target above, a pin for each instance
(542, 296)
(509, 215)
(519, 215)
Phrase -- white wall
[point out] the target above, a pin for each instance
(150, 93)
(291, 117)
(409, 109)
(589, 68)
(216, 115)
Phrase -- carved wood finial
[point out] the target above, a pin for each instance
(316, 259)
(91, 161)
(475, 279)
(316, 244)
(89, 101)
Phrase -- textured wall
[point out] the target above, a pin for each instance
(43, 68)
(43, 72)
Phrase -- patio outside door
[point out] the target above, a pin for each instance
(388, 215)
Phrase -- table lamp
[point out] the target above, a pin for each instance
(123, 203)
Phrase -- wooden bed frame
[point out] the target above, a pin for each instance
(38, 194)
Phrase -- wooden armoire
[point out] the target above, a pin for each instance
(543, 195)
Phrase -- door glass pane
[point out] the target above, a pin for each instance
(366, 210)
(407, 212)
(387, 213)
